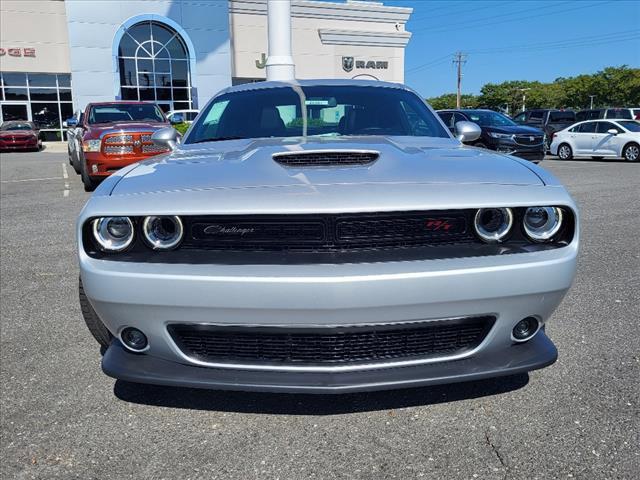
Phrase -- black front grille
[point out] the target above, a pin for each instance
(528, 140)
(329, 345)
(325, 158)
(330, 232)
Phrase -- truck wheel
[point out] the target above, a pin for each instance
(95, 325)
(89, 184)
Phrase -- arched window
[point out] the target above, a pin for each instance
(154, 65)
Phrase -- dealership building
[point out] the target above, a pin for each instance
(56, 56)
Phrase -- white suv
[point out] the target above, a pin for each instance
(599, 139)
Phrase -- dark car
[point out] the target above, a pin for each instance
(548, 120)
(611, 113)
(500, 133)
(19, 135)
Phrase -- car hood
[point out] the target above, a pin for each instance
(249, 164)
(139, 126)
(515, 130)
(17, 133)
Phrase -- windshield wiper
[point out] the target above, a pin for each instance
(219, 139)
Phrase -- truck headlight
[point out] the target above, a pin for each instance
(113, 234)
(493, 224)
(162, 233)
(91, 145)
(542, 223)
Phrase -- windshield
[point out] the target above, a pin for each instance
(125, 112)
(487, 118)
(16, 126)
(318, 110)
(631, 126)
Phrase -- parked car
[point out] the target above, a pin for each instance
(360, 247)
(599, 139)
(19, 135)
(609, 113)
(499, 133)
(550, 121)
(187, 116)
(111, 135)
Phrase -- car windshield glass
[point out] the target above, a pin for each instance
(123, 112)
(631, 126)
(16, 126)
(315, 110)
(488, 118)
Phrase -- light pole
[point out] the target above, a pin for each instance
(591, 97)
(279, 62)
(524, 97)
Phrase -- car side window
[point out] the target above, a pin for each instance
(447, 119)
(604, 127)
(589, 127)
(520, 118)
(458, 117)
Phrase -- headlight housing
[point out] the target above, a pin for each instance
(162, 233)
(91, 145)
(113, 234)
(542, 223)
(500, 135)
(493, 224)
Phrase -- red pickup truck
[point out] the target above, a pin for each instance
(110, 135)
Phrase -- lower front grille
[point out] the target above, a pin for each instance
(329, 346)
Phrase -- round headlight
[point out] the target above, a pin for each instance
(542, 223)
(162, 233)
(493, 224)
(113, 234)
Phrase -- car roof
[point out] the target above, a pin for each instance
(121, 102)
(314, 83)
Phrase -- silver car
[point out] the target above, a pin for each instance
(324, 237)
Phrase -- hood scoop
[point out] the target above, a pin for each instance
(326, 158)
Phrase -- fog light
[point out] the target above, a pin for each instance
(525, 329)
(134, 339)
(94, 168)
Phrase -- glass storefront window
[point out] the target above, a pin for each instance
(154, 65)
(43, 98)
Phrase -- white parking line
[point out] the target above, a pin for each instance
(65, 175)
(64, 171)
(32, 180)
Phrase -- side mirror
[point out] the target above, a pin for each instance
(467, 131)
(70, 123)
(167, 137)
(176, 119)
(612, 131)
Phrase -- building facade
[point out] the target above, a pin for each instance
(56, 56)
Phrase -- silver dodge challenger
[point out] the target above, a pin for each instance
(324, 237)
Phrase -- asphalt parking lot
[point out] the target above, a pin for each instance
(62, 418)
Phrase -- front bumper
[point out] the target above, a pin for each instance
(19, 145)
(533, 153)
(539, 352)
(152, 296)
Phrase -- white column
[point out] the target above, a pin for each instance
(280, 62)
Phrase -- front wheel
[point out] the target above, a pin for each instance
(631, 152)
(95, 325)
(89, 184)
(565, 152)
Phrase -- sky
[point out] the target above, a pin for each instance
(516, 40)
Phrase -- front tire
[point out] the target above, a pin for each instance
(631, 152)
(565, 152)
(89, 184)
(94, 324)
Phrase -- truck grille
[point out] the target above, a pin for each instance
(329, 232)
(329, 345)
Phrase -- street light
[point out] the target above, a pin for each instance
(524, 97)
(591, 97)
